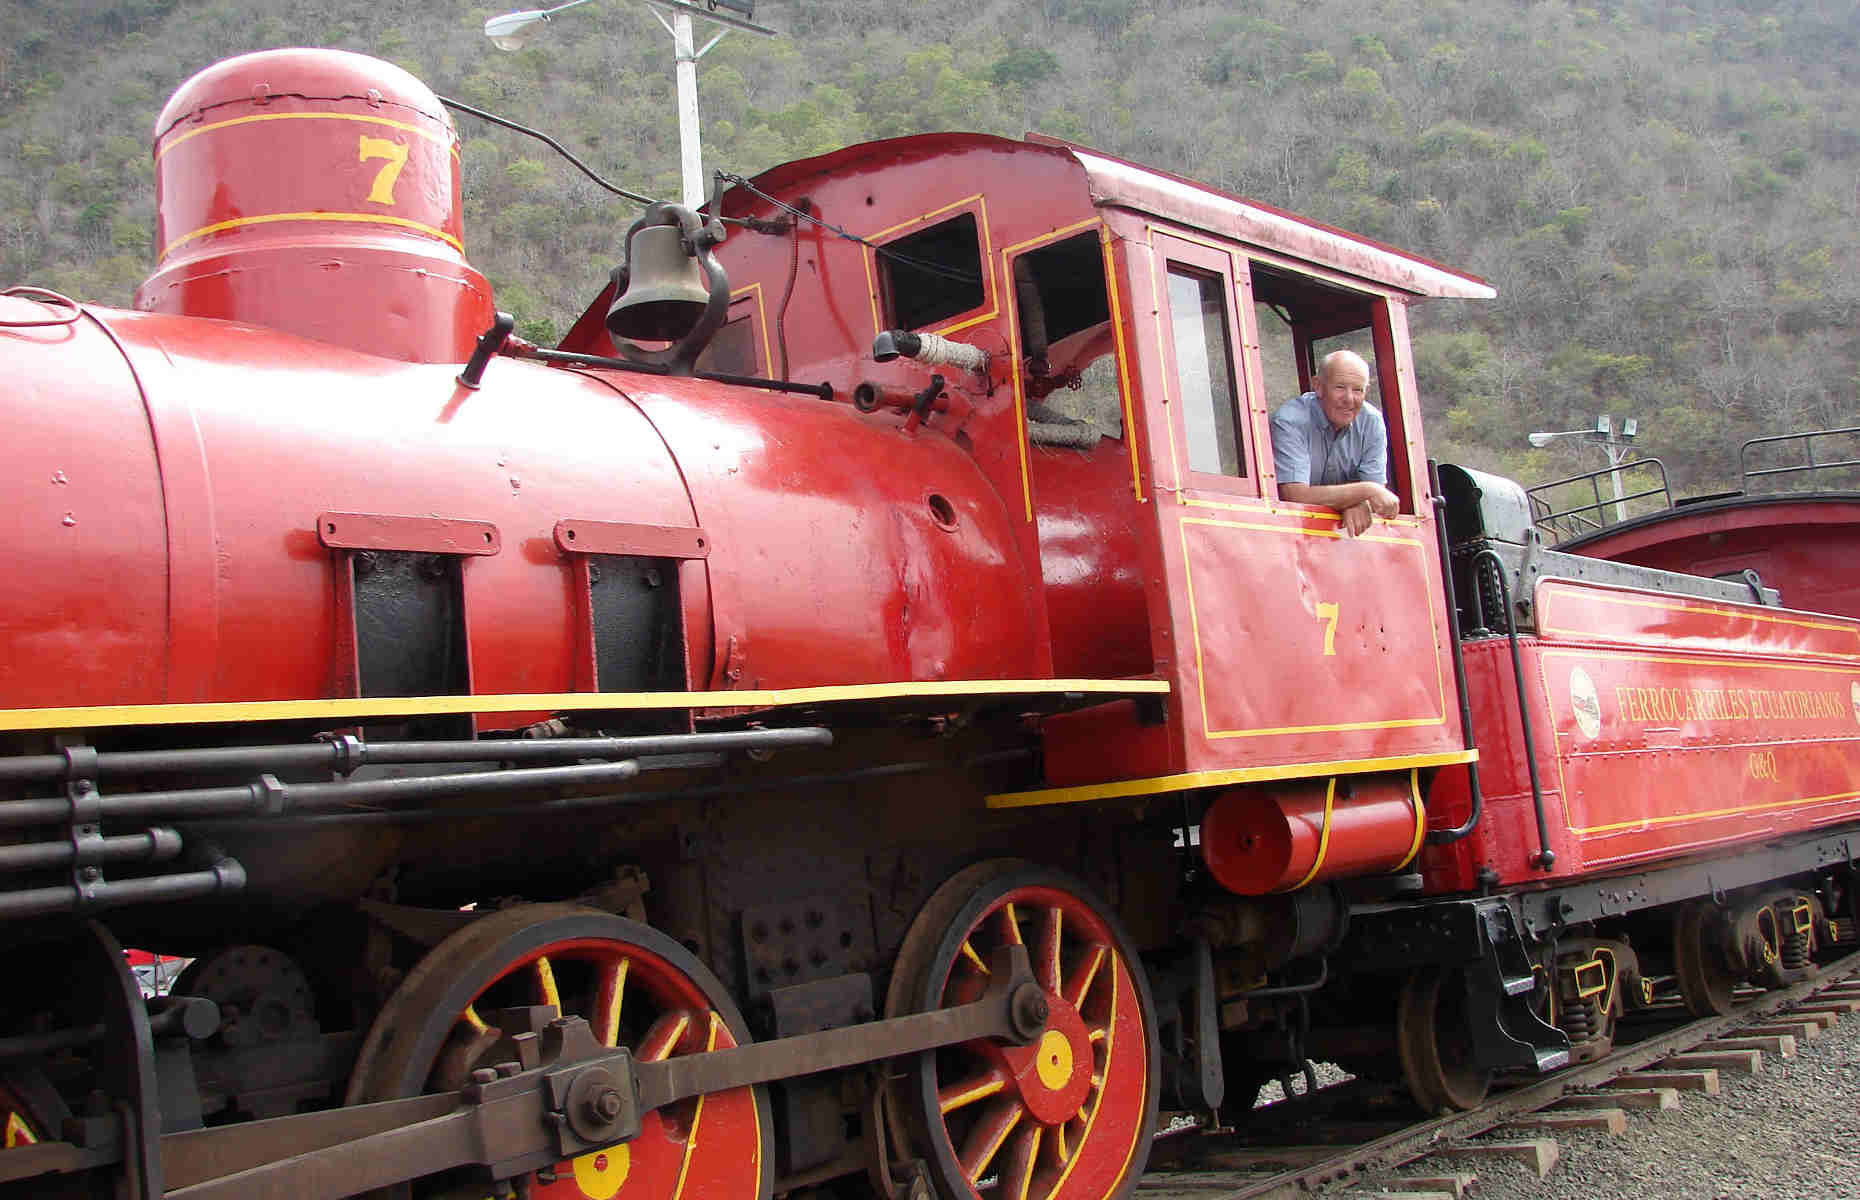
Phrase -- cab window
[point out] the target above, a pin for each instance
(1067, 345)
(1205, 371)
(1301, 320)
(933, 274)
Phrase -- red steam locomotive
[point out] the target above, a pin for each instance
(855, 715)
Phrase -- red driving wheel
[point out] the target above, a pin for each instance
(636, 988)
(1068, 1116)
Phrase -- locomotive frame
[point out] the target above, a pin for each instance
(910, 745)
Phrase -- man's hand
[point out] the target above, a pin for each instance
(1357, 503)
(1380, 500)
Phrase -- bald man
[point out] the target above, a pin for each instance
(1330, 448)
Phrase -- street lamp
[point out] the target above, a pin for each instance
(512, 31)
(1602, 435)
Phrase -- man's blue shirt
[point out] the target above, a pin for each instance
(1306, 448)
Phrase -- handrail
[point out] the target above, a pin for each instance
(1563, 524)
(1811, 468)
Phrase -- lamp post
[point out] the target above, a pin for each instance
(1602, 435)
(512, 31)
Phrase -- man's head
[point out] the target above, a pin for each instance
(1342, 383)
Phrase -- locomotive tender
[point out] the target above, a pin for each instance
(856, 715)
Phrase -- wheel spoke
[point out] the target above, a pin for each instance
(470, 1017)
(607, 1003)
(1085, 974)
(979, 1087)
(1062, 1144)
(663, 1037)
(1010, 933)
(1017, 1174)
(1046, 962)
(973, 959)
(985, 1139)
(545, 985)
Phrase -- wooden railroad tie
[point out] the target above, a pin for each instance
(1782, 1044)
(1684, 1081)
(1748, 1061)
(1838, 1006)
(1424, 1187)
(1657, 1099)
(1539, 1154)
(1611, 1121)
(1800, 1030)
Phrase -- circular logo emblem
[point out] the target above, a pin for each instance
(1587, 704)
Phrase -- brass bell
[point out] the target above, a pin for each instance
(665, 293)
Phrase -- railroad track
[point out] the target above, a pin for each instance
(1196, 1165)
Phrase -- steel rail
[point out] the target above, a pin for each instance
(1418, 1140)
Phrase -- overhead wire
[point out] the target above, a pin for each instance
(550, 142)
(918, 264)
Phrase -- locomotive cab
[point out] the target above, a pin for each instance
(1122, 338)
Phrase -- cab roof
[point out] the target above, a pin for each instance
(1118, 183)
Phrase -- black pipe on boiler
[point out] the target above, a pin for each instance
(345, 754)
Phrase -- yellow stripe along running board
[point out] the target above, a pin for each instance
(414, 706)
(1158, 784)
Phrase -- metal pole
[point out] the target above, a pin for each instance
(690, 155)
(1615, 455)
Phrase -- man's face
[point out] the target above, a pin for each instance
(1341, 388)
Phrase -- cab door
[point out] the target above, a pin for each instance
(1294, 643)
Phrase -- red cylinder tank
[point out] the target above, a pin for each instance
(317, 192)
(1259, 840)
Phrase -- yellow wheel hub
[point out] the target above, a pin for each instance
(602, 1173)
(1054, 1061)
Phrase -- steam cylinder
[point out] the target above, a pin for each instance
(315, 192)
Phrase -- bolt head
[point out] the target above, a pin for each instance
(1028, 1010)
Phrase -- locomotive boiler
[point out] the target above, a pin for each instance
(857, 715)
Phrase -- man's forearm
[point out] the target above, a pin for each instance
(1332, 495)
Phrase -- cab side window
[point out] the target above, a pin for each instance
(1205, 371)
(1301, 320)
(1068, 347)
(933, 274)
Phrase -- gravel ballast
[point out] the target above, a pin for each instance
(1789, 1132)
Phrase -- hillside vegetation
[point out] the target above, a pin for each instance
(1667, 196)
